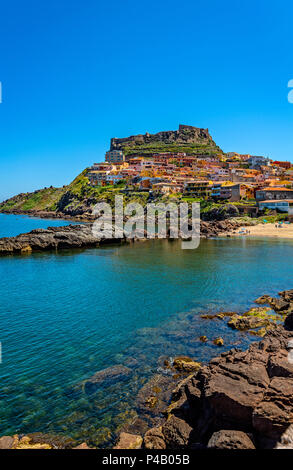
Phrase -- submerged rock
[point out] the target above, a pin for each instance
(239, 322)
(108, 375)
(203, 339)
(186, 364)
(154, 396)
(36, 441)
(218, 342)
(128, 441)
(253, 319)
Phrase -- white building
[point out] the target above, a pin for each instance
(280, 204)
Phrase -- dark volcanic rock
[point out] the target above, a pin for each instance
(287, 295)
(288, 323)
(224, 212)
(77, 236)
(274, 414)
(282, 306)
(238, 392)
(232, 391)
(154, 439)
(213, 227)
(177, 433)
(230, 440)
(52, 238)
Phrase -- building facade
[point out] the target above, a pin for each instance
(114, 156)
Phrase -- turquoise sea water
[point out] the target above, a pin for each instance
(12, 225)
(65, 316)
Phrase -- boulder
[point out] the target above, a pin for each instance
(240, 322)
(218, 341)
(83, 445)
(128, 441)
(177, 433)
(279, 305)
(286, 439)
(232, 398)
(186, 364)
(279, 366)
(230, 440)
(273, 415)
(6, 442)
(154, 439)
(263, 299)
(287, 295)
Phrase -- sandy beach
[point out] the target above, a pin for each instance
(263, 230)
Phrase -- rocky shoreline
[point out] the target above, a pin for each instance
(240, 400)
(52, 238)
(81, 236)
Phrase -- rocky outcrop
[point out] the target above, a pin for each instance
(77, 236)
(241, 399)
(224, 212)
(128, 441)
(186, 364)
(216, 228)
(53, 238)
(281, 306)
(197, 140)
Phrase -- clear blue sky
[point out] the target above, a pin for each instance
(76, 73)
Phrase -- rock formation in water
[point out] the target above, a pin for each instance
(81, 236)
(52, 238)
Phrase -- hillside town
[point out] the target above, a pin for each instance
(220, 177)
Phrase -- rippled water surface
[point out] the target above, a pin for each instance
(65, 316)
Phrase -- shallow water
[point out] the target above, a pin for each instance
(65, 316)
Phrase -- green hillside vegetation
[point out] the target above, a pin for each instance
(41, 200)
(74, 199)
(188, 148)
